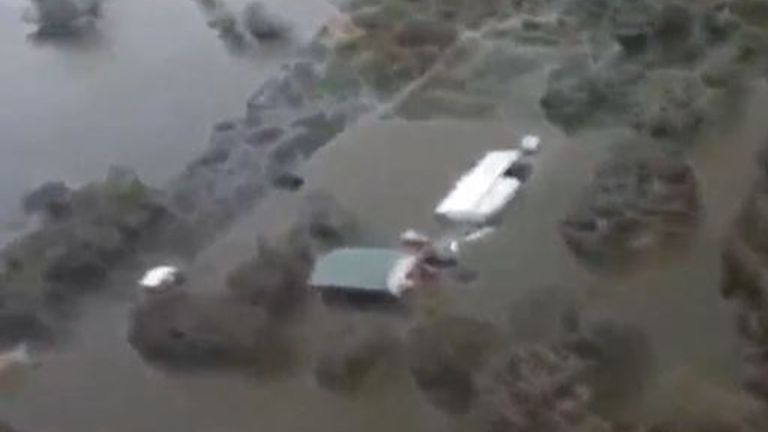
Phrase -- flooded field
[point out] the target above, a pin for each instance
(671, 347)
(141, 90)
(386, 173)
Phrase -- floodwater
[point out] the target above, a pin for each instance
(141, 90)
(391, 174)
(674, 301)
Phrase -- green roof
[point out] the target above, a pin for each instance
(355, 268)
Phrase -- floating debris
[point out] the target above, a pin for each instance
(13, 365)
(161, 279)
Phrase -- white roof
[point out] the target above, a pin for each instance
(158, 276)
(483, 191)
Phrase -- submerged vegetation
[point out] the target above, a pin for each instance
(57, 18)
(658, 71)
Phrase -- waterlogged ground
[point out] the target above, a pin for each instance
(142, 90)
(97, 379)
(389, 173)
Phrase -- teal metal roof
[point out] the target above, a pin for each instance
(355, 268)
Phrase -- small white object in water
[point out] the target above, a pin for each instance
(14, 366)
(530, 144)
(414, 240)
(159, 279)
(17, 355)
(479, 234)
(454, 247)
(398, 280)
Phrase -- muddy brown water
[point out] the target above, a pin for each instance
(391, 174)
(141, 90)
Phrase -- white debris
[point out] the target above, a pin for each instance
(15, 366)
(414, 240)
(453, 246)
(17, 355)
(411, 235)
(530, 144)
(161, 278)
(479, 234)
(398, 280)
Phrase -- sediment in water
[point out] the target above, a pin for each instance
(650, 68)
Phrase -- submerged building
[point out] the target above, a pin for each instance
(363, 273)
(470, 209)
